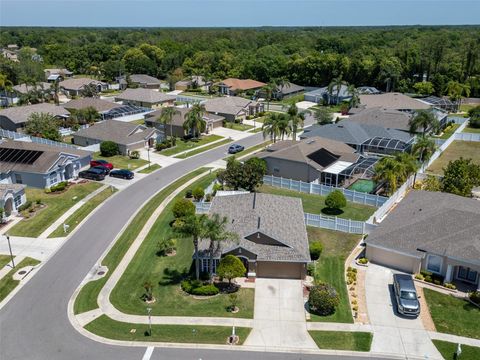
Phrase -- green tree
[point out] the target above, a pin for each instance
(355, 97)
(474, 114)
(231, 267)
(323, 299)
(424, 148)
(183, 208)
(432, 183)
(315, 249)
(89, 90)
(460, 176)
(272, 125)
(424, 88)
(387, 170)
(232, 175)
(194, 122)
(166, 118)
(109, 148)
(323, 115)
(335, 201)
(284, 126)
(297, 120)
(425, 121)
(456, 90)
(198, 193)
(86, 115)
(43, 125)
(334, 89)
(253, 171)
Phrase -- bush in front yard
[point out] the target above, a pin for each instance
(323, 299)
(25, 206)
(59, 187)
(109, 148)
(231, 267)
(182, 208)
(198, 193)
(475, 297)
(315, 250)
(196, 287)
(134, 154)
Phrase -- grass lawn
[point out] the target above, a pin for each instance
(466, 107)
(257, 130)
(239, 127)
(150, 169)
(122, 162)
(335, 243)
(205, 148)
(342, 340)
(465, 149)
(449, 130)
(166, 273)
(7, 284)
(56, 205)
(138, 122)
(77, 217)
(452, 315)
(448, 349)
(87, 298)
(470, 129)
(183, 145)
(315, 203)
(4, 260)
(112, 329)
(250, 150)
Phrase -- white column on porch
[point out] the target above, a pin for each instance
(449, 274)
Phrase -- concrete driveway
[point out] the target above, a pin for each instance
(279, 317)
(393, 333)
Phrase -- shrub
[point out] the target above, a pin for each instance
(25, 206)
(208, 197)
(311, 269)
(336, 200)
(315, 250)
(475, 297)
(134, 154)
(419, 277)
(428, 278)
(109, 148)
(189, 194)
(323, 299)
(450, 286)
(436, 282)
(182, 208)
(217, 187)
(363, 261)
(198, 193)
(59, 187)
(231, 267)
(166, 245)
(205, 290)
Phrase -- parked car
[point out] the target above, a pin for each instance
(235, 148)
(122, 173)
(101, 163)
(406, 295)
(92, 174)
(105, 169)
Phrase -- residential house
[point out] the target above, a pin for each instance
(176, 128)
(126, 135)
(364, 138)
(233, 108)
(272, 238)
(52, 75)
(315, 159)
(283, 91)
(323, 95)
(433, 231)
(10, 55)
(15, 118)
(103, 107)
(146, 98)
(74, 86)
(40, 165)
(23, 89)
(12, 196)
(443, 103)
(368, 90)
(232, 86)
(144, 81)
(386, 118)
(193, 82)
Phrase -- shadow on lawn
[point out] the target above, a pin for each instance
(173, 277)
(332, 212)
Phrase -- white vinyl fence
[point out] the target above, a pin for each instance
(24, 137)
(202, 207)
(319, 189)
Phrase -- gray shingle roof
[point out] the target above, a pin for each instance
(97, 104)
(324, 91)
(278, 217)
(289, 88)
(20, 114)
(145, 95)
(179, 119)
(233, 105)
(24, 88)
(120, 132)
(78, 83)
(144, 79)
(395, 101)
(439, 223)
(387, 118)
(6, 188)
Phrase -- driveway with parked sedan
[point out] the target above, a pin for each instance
(394, 333)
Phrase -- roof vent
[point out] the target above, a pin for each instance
(254, 199)
(311, 141)
(258, 224)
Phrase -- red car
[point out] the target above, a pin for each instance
(101, 163)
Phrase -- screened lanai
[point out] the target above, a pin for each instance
(381, 145)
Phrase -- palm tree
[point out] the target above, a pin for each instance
(424, 148)
(166, 117)
(6, 85)
(269, 89)
(355, 99)
(296, 120)
(216, 231)
(424, 120)
(284, 126)
(194, 120)
(271, 126)
(323, 115)
(56, 90)
(336, 86)
(89, 90)
(407, 164)
(456, 90)
(194, 226)
(387, 170)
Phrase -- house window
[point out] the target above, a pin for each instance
(275, 169)
(205, 265)
(466, 274)
(18, 179)
(52, 178)
(434, 263)
(18, 201)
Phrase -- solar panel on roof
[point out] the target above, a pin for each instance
(19, 156)
(323, 157)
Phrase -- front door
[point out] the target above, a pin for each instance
(245, 263)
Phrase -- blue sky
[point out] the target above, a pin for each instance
(192, 13)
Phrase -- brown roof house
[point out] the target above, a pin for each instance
(232, 86)
(145, 98)
(12, 196)
(74, 86)
(144, 81)
(395, 101)
(272, 236)
(433, 231)
(387, 118)
(14, 118)
(233, 108)
(103, 107)
(40, 165)
(176, 128)
(126, 135)
(315, 159)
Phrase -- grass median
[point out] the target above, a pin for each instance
(150, 169)
(87, 298)
(112, 329)
(122, 162)
(185, 145)
(7, 284)
(448, 350)
(203, 149)
(342, 340)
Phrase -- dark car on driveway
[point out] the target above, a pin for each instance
(406, 295)
(103, 163)
(235, 148)
(101, 168)
(122, 173)
(92, 174)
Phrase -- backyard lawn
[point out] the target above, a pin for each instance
(122, 162)
(315, 203)
(77, 217)
(330, 268)
(452, 315)
(342, 340)
(7, 284)
(457, 149)
(150, 169)
(184, 145)
(470, 129)
(166, 274)
(448, 349)
(112, 329)
(56, 205)
(449, 130)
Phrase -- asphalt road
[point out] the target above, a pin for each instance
(34, 324)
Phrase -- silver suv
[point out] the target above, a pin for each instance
(406, 295)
